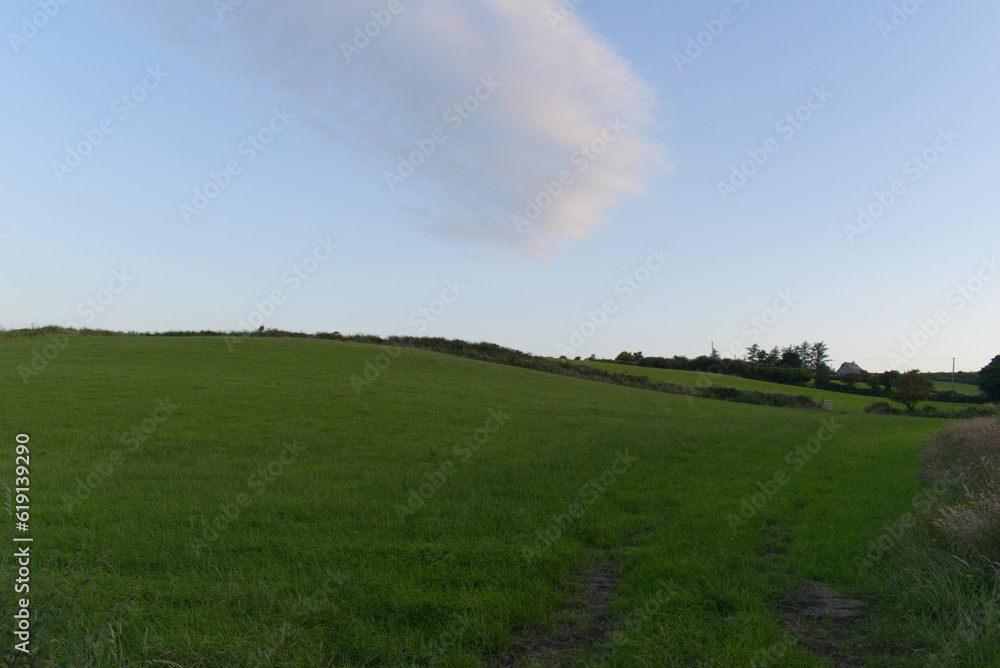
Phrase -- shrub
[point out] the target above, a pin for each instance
(881, 408)
(965, 459)
(989, 379)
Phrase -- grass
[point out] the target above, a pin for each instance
(266, 509)
(842, 402)
(947, 569)
(960, 388)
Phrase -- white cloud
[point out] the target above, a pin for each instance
(559, 86)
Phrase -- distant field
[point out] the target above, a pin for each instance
(842, 402)
(960, 388)
(445, 511)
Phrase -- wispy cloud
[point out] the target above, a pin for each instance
(386, 81)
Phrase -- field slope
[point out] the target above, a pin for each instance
(272, 512)
(842, 401)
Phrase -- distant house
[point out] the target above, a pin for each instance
(849, 367)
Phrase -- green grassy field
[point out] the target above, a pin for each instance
(842, 402)
(960, 388)
(272, 515)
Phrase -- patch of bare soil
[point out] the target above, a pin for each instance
(580, 624)
(826, 623)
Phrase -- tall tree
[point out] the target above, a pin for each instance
(752, 353)
(888, 381)
(803, 350)
(989, 379)
(851, 379)
(911, 388)
(820, 354)
(824, 374)
(790, 358)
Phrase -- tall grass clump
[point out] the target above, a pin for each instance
(966, 457)
(947, 568)
(59, 636)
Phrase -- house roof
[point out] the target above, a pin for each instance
(849, 367)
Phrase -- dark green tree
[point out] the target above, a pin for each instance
(872, 379)
(790, 359)
(624, 357)
(819, 354)
(773, 357)
(989, 379)
(887, 380)
(911, 388)
(851, 379)
(824, 374)
(804, 350)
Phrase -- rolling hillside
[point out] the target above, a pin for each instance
(446, 512)
(842, 402)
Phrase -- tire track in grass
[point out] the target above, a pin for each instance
(579, 625)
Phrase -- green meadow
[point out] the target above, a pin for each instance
(960, 388)
(842, 402)
(269, 509)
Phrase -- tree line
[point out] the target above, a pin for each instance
(799, 364)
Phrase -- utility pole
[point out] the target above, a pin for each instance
(953, 376)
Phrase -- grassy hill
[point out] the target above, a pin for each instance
(449, 512)
(842, 402)
(960, 388)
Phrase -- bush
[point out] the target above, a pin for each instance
(948, 397)
(965, 458)
(739, 368)
(989, 379)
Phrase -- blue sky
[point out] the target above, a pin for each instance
(875, 97)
